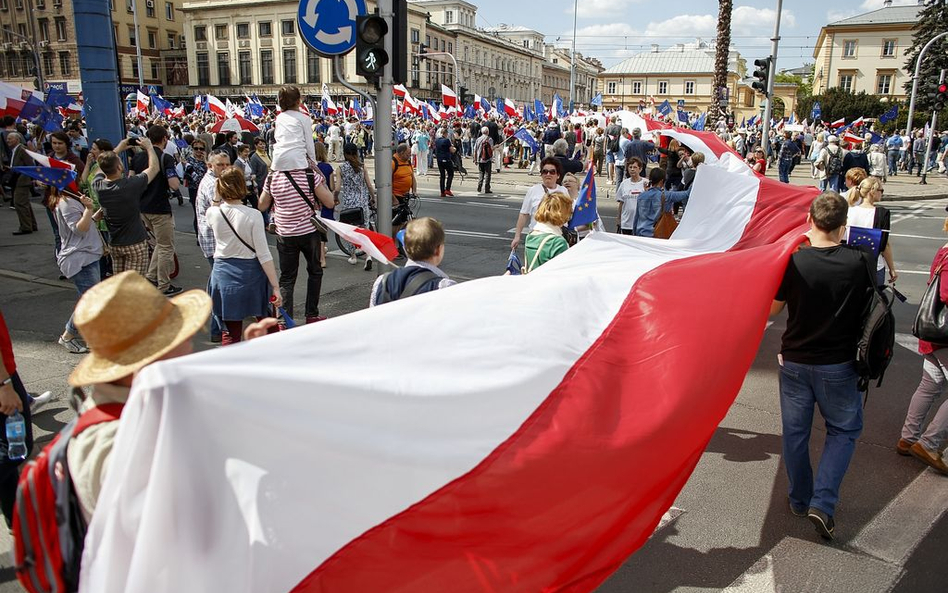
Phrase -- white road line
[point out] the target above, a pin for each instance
(907, 341)
(916, 237)
(914, 272)
(476, 204)
(475, 235)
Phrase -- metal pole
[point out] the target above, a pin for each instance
(98, 69)
(337, 64)
(572, 59)
(769, 109)
(35, 52)
(36, 57)
(457, 72)
(928, 139)
(383, 134)
(918, 66)
(138, 45)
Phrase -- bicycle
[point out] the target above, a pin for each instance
(402, 214)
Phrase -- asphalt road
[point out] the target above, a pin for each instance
(732, 530)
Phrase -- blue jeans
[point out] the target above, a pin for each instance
(215, 320)
(832, 387)
(830, 183)
(84, 279)
(783, 170)
(893, 162)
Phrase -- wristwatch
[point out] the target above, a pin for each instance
(6, 381)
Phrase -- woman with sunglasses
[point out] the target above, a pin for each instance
(867, 214)
(550, 171)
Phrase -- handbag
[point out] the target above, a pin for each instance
(354, 216)
(931, 321)
(666, 223)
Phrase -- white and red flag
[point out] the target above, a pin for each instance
(142, 102)
(448, 96)
(47, 161)
(483, 465)
(216, 106)
(510, 108)
(838, 123)
(399, 90)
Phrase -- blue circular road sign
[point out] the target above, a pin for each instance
(329, 26)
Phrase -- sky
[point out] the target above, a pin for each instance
(614, 29)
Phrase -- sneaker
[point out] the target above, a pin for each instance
(40, 400)
(368, 265)
(824, 524)
(449, 192)
(215, 338)
(796, 511)
(73, 345)
(929, 458)
(488, 193)
(352, 259)
(316, 319)
(903, 447)
(172, 290)
(444, 194)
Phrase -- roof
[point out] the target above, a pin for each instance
(884, 16)
(512, 29)
(679, 59)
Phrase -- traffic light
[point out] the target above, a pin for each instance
(462, 96)
(941, 96)
(371, 56)
(400, 47)
(762, 74)
(422, 49)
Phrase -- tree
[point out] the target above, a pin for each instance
(932, 20)
(837, 103)
(722, 54)
(778, 109)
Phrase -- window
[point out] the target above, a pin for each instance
(14, 68)
(223, 68)
(200, 33)
(448, 17)
(203, 68)
(849, 48)
(21, 29)
(61, 28)
(244, 68)
(131, 37)
(662, 87)
(289, 66)
(130, 6)
(689, 87)
(41, 5)
(60, 3)
(152, 39)
(44, 29)
(265, 29)
(637, 87)
(266, 66)
(220, 32)
(428, 40)
(884, 84)
(846, 82)
(415, 35)
(154, 69)
(19, 4)
(888, 48)
(48, 64)
(442, 45)
(169, 11)
(611, 87)
(171, 40)
(450, 48)
(243, 30)
(65, 65)
(312, 67)
(134, 66)
(288, 28)
(150, 10)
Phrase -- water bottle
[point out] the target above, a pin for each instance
(16, 437)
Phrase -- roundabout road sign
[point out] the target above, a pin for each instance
(329, 26)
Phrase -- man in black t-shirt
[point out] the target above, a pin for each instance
(156, 210)
(825, 289)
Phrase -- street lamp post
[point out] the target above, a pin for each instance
(572, 60)
(36, 58)
(138, 46)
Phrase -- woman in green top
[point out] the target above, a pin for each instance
(546, 241)
(89, 174)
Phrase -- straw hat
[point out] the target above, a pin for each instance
(127, 323)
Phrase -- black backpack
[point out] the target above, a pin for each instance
(877, 339)
(834, 164)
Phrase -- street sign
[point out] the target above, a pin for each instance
(329, 26)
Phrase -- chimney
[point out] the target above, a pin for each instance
(654, 48)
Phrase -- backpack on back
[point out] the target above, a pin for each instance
(48, 526)
(834, 164)
(487, 151)
(876, 342)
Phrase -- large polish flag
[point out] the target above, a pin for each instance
(216, 106)
(448, 96)
(500, 452)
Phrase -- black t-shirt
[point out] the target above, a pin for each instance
(155, 197)
(443, 150)
(826, 290)
(120, 199)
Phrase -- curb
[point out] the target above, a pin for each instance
(35, 279)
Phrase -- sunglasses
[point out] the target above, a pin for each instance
(198, 148)
(548, 172)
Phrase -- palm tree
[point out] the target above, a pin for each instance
(721, 56)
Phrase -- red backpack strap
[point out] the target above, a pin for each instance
(97, 415)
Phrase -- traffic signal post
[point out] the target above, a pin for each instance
(770, 66)
(939, 97)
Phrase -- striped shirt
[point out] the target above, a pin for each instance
(291, 213)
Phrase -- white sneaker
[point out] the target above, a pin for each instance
(353, 259)
(40, 400)
(73, 345)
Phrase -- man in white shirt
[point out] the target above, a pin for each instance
(335, 142)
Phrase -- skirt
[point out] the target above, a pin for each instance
(239, 289)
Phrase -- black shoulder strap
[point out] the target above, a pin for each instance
(299, 190)
(239, 238)
(417, 281)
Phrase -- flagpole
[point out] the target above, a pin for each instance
(138, 46)
(768, 110)
(572, 60)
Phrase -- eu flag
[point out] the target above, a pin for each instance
(58, 178)
(866, 239)
(665, 108)
(539, 109)
(500, 105)
(584, 212)
(683, 117)
(527, 138)
(514, 265)
(469, 112)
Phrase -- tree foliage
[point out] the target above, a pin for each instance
(932, 20)
(836, 103)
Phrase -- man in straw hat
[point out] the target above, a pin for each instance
(128, 324)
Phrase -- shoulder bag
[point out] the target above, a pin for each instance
(536, 255)
(931, 321)
(239, 238)
(666, 223)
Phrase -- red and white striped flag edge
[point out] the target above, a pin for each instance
(478, 462)
(379, 247)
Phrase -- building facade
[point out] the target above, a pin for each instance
(866, 52)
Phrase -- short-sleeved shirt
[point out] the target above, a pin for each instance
(154, 199)
(401, 177)
(533, 197)
(291, 213)
(826, 290)
(120, 200)
(628, 194)
(79, 249)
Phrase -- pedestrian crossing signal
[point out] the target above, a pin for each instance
(371, 56)
(941, 96)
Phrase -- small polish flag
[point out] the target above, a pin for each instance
(510, 108)
(400, 91)
(216, 106)
(379, 247)
(142, 103)
(838, 123)
(45, 161)
(448, 97)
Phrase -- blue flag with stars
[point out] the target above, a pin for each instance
(469, 112)
(866, 239)
(56, 177)
(500, 105)
(527, 138)
(890, 115)
(584, 212)
(540, 110)
(665, 108)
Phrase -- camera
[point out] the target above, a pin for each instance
(134, 141)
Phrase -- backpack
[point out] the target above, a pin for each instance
(876, 342)
(48, 526)
(422, 281)
(834, 162)
(487, 151)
